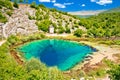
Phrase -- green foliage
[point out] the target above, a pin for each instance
(38, 15)
(33, 5)
(67, 30)
(113, 10)
(100, 72)
(3, 49)
(61, 29)
(34, 64)
(43, 16)
(76, 26)
(12, 39)
(31, 70)
(102, 25)
(46, 16)
(21, 1)
(9, 13)
(53, 10)
(78, 32)
(32, 37)
(3, 19)
(115, 72)
(117, 42)
(7, 7)
(44, 25)
(70, 19)
(41, 5)
(8, 67)
(6, 3)
(15, 4)
(31, 17)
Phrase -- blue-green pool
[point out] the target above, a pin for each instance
(53, 52)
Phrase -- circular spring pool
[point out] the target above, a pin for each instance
(53, 52)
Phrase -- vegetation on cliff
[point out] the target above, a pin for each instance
(5, 4)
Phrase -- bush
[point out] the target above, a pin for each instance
(3, 19)
(31, 17)
(6, 3)
(44, 25)
(33, 5)
(34, 64)
(78, 33)
(115, 72)
(9, 13)
(61, 29)
(15, 4)
(117, 42)
(67, 30)
(21, 1)
(12, 39)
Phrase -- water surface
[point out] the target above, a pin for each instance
(61, 53)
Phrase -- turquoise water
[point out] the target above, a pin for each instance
(61, 53)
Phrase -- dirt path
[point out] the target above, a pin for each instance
(57, 35)
(104, 51)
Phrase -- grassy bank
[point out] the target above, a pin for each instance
(28, 68)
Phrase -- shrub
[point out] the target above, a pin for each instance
(61, 29)
(33, 5)
(21, 1)
(67, 30)
(15, 4)
(12, 39)
(6, 3)
(44, 25)
(114, 72)
(78, 32)
(3, 19)
(9, 13)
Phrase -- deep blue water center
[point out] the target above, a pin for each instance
(53, 52)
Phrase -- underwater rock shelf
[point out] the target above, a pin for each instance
(61, 53)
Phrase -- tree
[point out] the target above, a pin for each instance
(78, 32)
(41, 5)
(33, 5)
(108, 33)
(9, 13)
(3, 18)
(12, 39)
(35, 64)
(15, 4)
(115, 72)
(61, 29)
(44, 25)
(20, 1)
(67, 30)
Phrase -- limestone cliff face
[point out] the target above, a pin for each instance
(19, 22)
